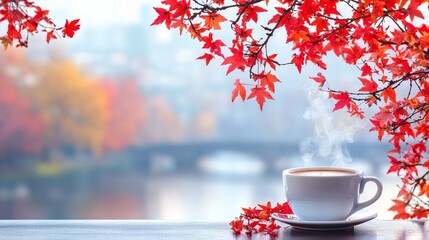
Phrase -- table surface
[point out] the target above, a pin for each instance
(153, 230)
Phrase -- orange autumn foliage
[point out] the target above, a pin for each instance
(126, 113)
(73, 107)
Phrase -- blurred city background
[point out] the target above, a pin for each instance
(122, 122)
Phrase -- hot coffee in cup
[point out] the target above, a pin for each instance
(326, 193)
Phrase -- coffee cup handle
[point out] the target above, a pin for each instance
(377, 195)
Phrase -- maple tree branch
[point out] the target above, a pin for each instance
(392, 84)
(323, 37)
(206, 6)
(422, 108)
(414, 197)
(390, 42)
(410, 89)
(244, 8)
(396, 23)
(351, 20)
(270, 34)
(353, 7)
(418, 202)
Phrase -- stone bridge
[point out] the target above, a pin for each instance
(187, 155)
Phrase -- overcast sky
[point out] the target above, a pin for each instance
(96, 12)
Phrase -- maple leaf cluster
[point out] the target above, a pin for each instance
(258, 219)
(387, 41)
(244, 52)
(24, 18)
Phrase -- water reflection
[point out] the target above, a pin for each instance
(231, 163)
(122, 189)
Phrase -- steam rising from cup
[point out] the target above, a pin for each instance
(332, 131)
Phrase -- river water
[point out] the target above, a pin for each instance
(119, 192)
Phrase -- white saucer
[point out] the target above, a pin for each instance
(355, 219)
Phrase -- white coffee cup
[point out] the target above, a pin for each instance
(327, 193)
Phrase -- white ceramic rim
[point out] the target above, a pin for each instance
(291, 171)
(356, 218)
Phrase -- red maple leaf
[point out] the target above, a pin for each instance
(270, 61)
(236, 225)
(213, 20)
(396, 140)
(413, 10)
(30, 26)
(423, 129)
(40, 14)
(403, 192)
(395, 165)
(353, 54)
(196, 30)
(368, 85)
(321, 24)
(163, 16)
(251, 12)
(213, 46)
(178, 8)
(420, 213)
(242, 32)
(50, 35)
(179, 24)
(238, 90)
(298, 60)
(298, 36)
(281, 18)
(320, 79)
(385, 117)
(70, 28)
(12, 33)
(267, 80)
(399, 207)
(260, 93)
(286, 209)
(207, 56)
(343, 100)
(236, 61)
(265, 207)
(272, 227)
(389, 94)
(13, 15)
(366, 70)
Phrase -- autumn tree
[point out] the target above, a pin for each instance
(22, 18)
(163, 123)
(20, 128)
(126, 113)
(72, 106)
(387, 41)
